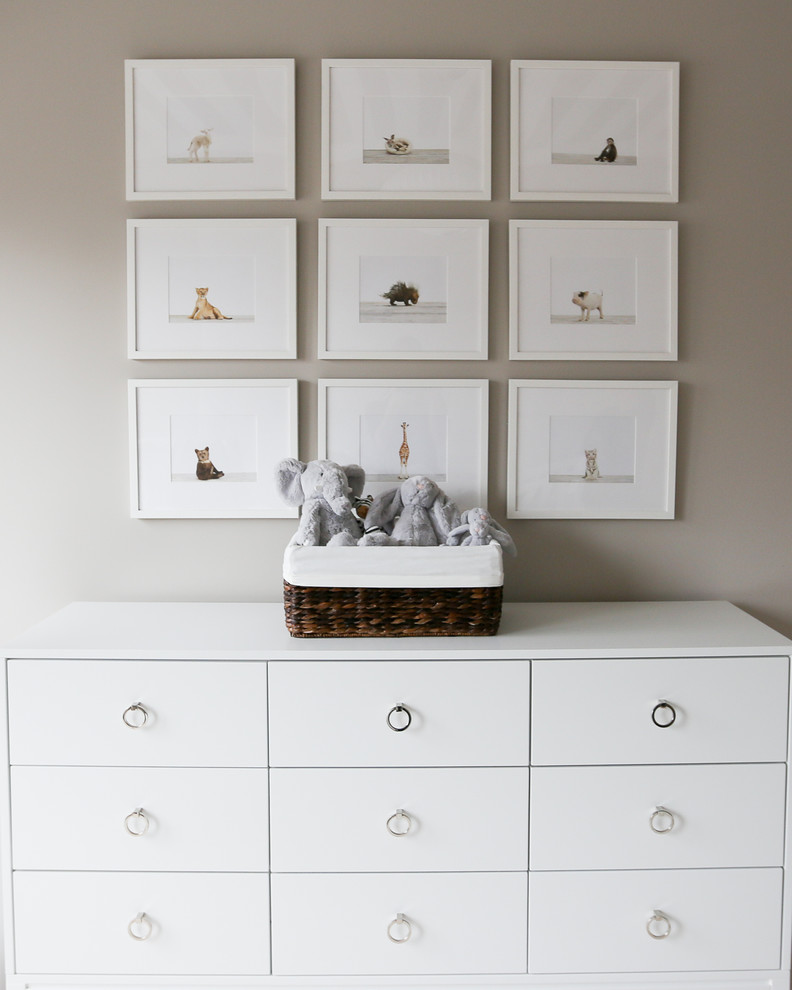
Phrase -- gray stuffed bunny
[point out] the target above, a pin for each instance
(325, 491)
(416, 514)
(478, 529)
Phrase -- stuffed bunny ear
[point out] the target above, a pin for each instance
(356, 477)
(444, 514)
(501, 536)
(384, 510)
(288, 480)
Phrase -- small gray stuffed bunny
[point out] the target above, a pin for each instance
(479, 529)
(416, 514)
(325, 491)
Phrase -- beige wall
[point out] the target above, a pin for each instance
(67, 533)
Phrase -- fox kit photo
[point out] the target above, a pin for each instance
(204, 310)
(205, 470)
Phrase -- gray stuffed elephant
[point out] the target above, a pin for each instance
(478, 529)
(417, 514)
(325, 491)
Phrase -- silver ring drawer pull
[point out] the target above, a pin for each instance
(137, 823)
(664, 715)
(661, 820)
(659, 925)
(402, 923)
(399, 823)
(140, 928)
(135, 716)
(402, 720)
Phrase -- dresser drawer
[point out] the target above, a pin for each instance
(721, 710)
(597, 922)
(339, 714)
(344, 925)
(73, 923)
(132, 818)
(196, 713)
(650, 817)
(399, 819)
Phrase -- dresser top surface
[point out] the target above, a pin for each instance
(256, 631)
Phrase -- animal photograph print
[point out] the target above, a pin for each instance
(403, 289)
(205, 130)
(406, 130)
(597, 132)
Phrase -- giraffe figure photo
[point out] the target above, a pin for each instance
(404, 454)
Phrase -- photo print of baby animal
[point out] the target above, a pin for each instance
(598, 290)
(406, 130)
(397, 429)
(403, 289)
(583, 129)
(231, 440)
(593, 290)
(210, 128)
(204, 448)
(587, 131)
(394, 449)
(212, 288)
(592, 450)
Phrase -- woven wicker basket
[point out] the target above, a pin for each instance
(352, 593)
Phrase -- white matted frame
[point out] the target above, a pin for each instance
(249, 269)
(210, 128)
(403, 289)
(593, 290)
(406, 129)
(444, 423)
(595, 131)
(591, 449)
(247, 424)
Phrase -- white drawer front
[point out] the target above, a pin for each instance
(199, 714)
(83, 818)
(458, 923)
(201, 923)
(611, 818)
(597, 922)
(329, 713)
(727, 710)
(348, 820)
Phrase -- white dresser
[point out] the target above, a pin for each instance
(596, 797)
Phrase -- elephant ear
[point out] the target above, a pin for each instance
(288, 480)
(384, 510)
(356, 477)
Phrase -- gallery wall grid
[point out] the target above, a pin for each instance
(403, 289)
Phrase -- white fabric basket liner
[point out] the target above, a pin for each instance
(394, 567)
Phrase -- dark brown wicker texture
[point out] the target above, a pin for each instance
(330, 612)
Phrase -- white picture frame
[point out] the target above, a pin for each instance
(403, 289)
(360, 422)
(406, 129)
(555, 425)
(248, 425)
(570, 118)
(210, 128)
(593, 290)
(249, 267)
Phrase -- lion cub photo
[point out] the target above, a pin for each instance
(204, 310)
